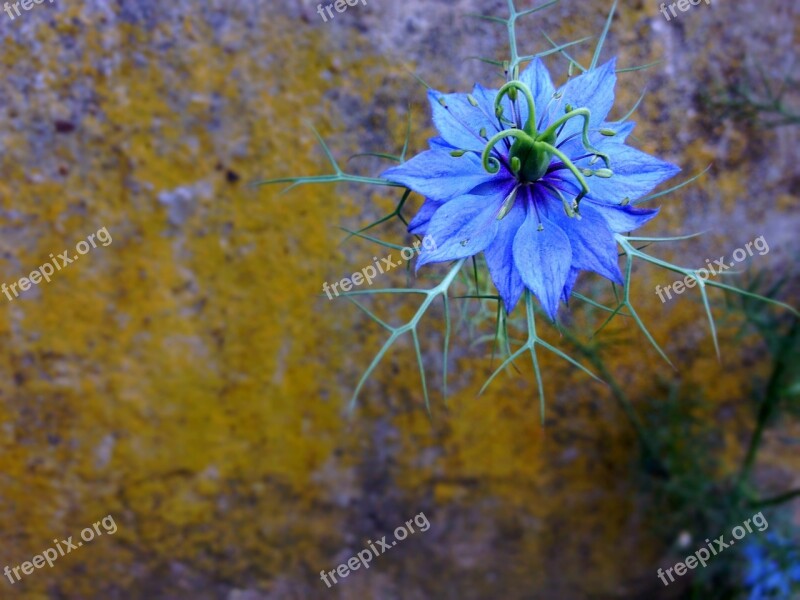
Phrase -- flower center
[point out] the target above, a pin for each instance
(531, 159)
(533, 151)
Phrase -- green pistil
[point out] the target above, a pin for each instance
(532, 152)
(510, 88)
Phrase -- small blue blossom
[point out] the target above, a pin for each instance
(516, 174)
(773, 568)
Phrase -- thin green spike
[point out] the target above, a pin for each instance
(635, 106)
(553, 50)
(488, 61)
(395, 213)
(372, 366)
(674, 188)
(372, 239)
(409, 326)
(565, 54)
(591, 302)
(603, 35)
(712, 325)
(370, 314)
(408, 137)
(640, 67)
(325, 149)
(487, 18)
(421, 370)
(391, 157)
(530, 11)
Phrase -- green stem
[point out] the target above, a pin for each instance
(785, 497)
(769, 405)
(512, 34)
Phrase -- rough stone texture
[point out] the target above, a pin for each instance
(187, 379)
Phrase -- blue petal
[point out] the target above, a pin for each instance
(621, 218)
(571, 279)
(500, 258)
(593, 90)
(573, 147)
(593, 245)
(537, 78)
(485, 98)
(543, 259)
(439, 176)
(462, 227)
(439, 143)
(635, 174)
(419, 223)
(460, 123)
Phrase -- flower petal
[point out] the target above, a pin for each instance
(500, 258)
(419, 223)
(537, 78)
(439, 176)
(635, 174)
(462, 227)
(621, 218)
(592, 242)
(543, 259)
(573, 146)
(460, 123)
(571, 279)
(593, 90)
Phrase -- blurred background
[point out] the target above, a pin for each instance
(189, 380)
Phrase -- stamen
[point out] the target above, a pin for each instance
(570, 209)
(569, 164)
(508, 203)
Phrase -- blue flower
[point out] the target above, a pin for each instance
(773, 567)
(515, 174)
